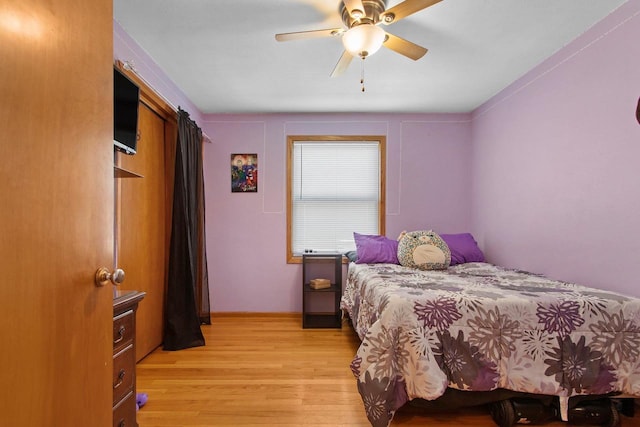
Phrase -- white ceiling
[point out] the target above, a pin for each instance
(223, 55)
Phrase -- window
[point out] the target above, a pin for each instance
(335, 186)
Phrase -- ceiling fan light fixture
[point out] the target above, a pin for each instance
(363, 40)
(357, 14)
(388, 18)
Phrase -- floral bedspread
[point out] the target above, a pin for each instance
(477, 326)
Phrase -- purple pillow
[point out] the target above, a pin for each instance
(374, 249)
(463, 248)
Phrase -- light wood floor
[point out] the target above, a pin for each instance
(258, 371)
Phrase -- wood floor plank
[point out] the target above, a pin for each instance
(260, 371)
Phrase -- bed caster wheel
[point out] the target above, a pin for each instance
(522, 411)
(503, 413)
(615, 417)
(600, 412)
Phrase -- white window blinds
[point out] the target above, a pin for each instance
(335, 191)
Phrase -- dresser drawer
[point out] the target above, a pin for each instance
(123, 329)
(124, 369)
(124, 414)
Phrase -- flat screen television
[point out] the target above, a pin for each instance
(125, 113)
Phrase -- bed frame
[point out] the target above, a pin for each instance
(476, 327)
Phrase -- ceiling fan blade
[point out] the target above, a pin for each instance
(342, 65)
(283, 37)
(404, 47)
(404, 9)
(354, 5)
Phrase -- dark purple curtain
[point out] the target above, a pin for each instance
(187, 302)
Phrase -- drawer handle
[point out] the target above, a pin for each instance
(120, 379)
(121, 331)
(121, 423)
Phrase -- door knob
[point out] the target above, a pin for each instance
(103, 276)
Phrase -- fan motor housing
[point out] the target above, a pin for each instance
(372, 11)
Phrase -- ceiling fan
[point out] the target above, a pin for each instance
(362, 35)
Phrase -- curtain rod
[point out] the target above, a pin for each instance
(130, 66)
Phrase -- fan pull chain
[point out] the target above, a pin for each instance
(362, 73)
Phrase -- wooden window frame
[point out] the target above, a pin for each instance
(382, 146)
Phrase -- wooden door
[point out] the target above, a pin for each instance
(56, 216)
(141, 219)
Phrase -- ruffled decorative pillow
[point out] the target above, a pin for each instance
(424, 250)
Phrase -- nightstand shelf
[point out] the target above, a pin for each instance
(321, 307)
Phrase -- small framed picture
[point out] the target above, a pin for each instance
(244, 173)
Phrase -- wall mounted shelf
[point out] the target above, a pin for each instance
(119, 172)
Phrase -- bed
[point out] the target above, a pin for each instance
(479, 327)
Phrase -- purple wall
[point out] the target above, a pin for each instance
(546, 174)
(556, 162)
(428, 171)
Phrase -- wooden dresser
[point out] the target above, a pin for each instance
(125, 304)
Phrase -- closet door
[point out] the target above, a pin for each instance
(142, 228)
